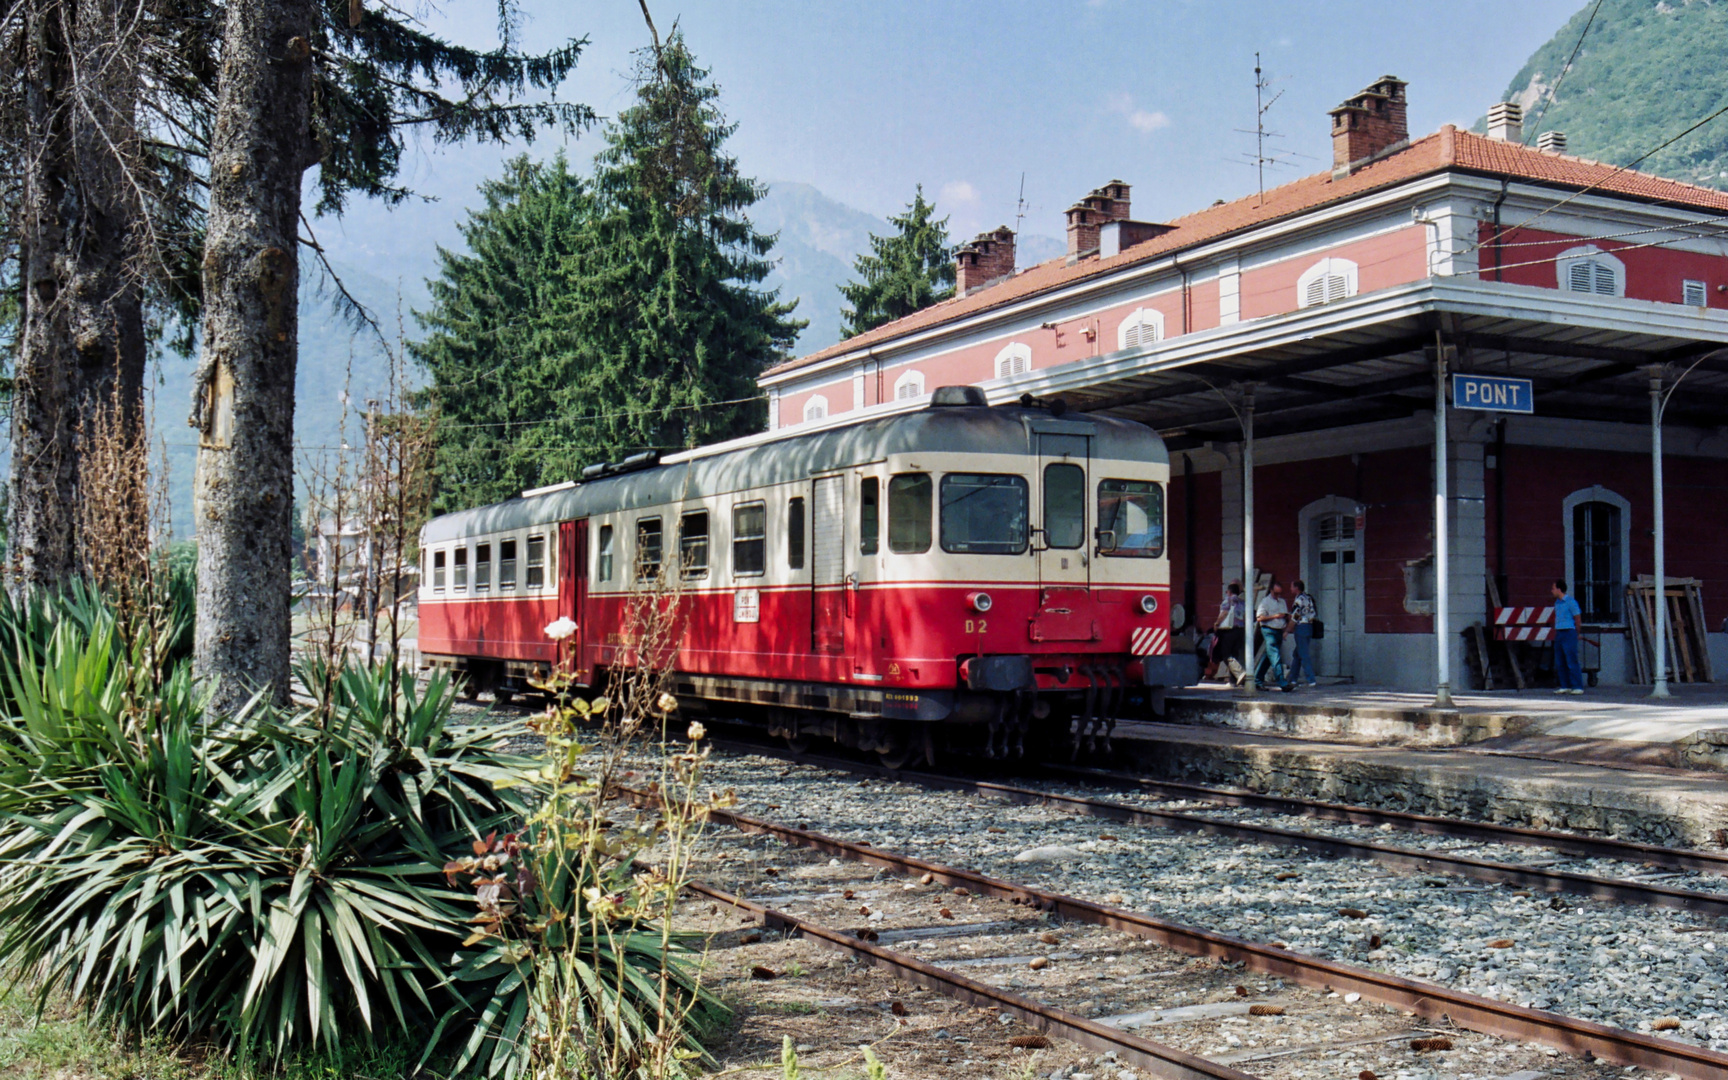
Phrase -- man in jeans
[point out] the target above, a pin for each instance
(1270, 614)
(1566, 616)
(1302, 612)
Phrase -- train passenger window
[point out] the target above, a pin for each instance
(749, 538)
(909, 498)
(482, 567)
(1131, 518)
(795, 534)
(647, 548)
(459, 573)
(693, 544)
(437, 571)
(870, 516)
(1064, 506)
(506, 564)
(984, 514)
(536, 576)
(605, 568)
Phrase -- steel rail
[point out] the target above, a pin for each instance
(1613, 890)
(1155, 1058)
(1431, 1000)
(1588, 847)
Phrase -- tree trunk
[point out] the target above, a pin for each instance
(42, 540)
(106, 302)
(244, 403)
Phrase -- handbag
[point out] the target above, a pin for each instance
(1316, 629)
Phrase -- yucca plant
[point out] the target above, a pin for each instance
(254, 880)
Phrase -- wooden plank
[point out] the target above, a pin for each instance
(1637, 639)
(1695, 594)
(1487, 660)
(1511, 653)
(1678, 627)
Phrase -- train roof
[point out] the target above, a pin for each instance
(758, 462)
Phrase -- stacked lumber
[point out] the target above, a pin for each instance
(1688, 650)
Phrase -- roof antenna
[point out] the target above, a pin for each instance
(1263, 105)
(1019, 216)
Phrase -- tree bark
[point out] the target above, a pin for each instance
(43, 539)
(244, 399)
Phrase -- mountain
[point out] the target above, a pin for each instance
(1646, 71)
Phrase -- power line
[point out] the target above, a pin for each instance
(1554, 90)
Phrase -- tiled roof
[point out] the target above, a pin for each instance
(1448, 148)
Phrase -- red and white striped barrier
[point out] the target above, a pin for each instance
(1524, 624)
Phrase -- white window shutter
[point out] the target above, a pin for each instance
(1316, 293)
(1694, 294)
(1578, 276)
(1604, 279)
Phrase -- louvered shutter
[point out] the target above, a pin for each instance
(1579, 274)
(1694, 294)
(1316, 293)
(1337, 287)
(1604, 278)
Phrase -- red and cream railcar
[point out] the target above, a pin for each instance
(959, 573)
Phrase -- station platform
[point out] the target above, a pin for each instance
(1611, 761)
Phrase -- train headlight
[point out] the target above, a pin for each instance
(1148, 604)
(979, 601)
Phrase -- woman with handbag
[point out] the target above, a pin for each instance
(1301, 627)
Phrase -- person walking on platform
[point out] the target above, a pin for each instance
(1227, 633)
(1566, 616)
(1271, 615)
(1302, 611)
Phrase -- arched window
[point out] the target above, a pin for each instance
(816, 408)
(909, 385)
(1598, 526)
(1589, 269)
(1014, 359)
(1143, 326)
(1327, 280)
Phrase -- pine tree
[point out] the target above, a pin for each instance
(504, 398)
(331, 83)
(906, 270)
(667, 317)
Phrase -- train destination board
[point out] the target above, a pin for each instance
(1496, 392)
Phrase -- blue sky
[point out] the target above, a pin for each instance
(866, 100)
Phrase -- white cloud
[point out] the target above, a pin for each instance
(958, 191)
(1144, 121)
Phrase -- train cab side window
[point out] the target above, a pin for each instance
(437, 571)
(605, 568)
(870, 515)
(536, 577)
(1131, 518)
(459, 574)
(648, 537)
(693, 544)
(984, 514)
(482, 567)
(506, 564)
(749, 539)
(909, 500)
(795, 534)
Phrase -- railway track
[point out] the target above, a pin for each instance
(1544, 879)
(1335, 981)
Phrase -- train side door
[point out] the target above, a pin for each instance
(573, 590)
(1062, 512)
(828, 566)
(1063, 549)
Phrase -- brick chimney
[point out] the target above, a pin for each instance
(1101, 206)
(987, 259)
(1368, 125)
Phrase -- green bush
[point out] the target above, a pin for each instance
(264, 880)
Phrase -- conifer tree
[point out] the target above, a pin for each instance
(667, 316)
(906, 270)
(333, 84)
(505, 399)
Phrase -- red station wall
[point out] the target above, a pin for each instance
(1526, 257)
(1538, 479)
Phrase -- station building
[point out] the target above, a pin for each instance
(1293, 344)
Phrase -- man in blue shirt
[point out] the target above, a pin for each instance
(1566, 616)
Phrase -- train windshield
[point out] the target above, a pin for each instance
(1131, 518)
(983, 514)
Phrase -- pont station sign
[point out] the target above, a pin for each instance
(1497, 393)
